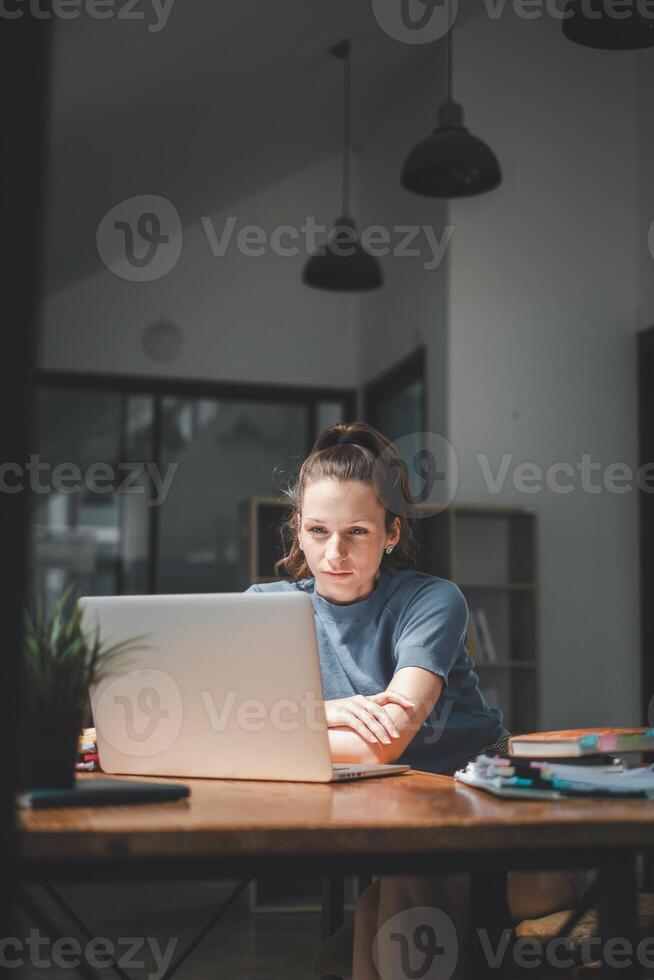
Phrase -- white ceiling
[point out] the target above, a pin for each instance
(227, 98)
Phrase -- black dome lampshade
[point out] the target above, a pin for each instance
(343, 264)
(589, 23)
(451, 162)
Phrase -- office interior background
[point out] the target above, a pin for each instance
(528, 320)
(517, 337)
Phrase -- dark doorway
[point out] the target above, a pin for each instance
(396, 401)
(646, 454)
(396, 404)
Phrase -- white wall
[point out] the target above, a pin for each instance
(542, 315)
(411, 309)
(243, 318)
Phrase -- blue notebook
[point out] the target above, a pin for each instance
(103, 792)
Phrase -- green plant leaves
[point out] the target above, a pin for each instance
(62, 659)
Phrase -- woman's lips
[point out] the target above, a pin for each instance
(338, 574)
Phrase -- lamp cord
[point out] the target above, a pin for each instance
(347, 133)
(450, 56)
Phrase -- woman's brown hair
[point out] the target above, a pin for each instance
(352, 451)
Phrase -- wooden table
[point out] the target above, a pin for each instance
(417, 822)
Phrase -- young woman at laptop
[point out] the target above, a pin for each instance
(399, 684)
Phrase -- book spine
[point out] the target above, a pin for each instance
(475, 648)
(487, 639)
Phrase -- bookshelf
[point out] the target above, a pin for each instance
(490, 552)
(260, 545)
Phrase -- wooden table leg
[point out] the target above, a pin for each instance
(618, 916)
(333, 909)
(492, 926)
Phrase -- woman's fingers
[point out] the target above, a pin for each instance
(393, 697)
(365, 714)
(355, 719)
(383, 718)
(356, 713)
(361, 729)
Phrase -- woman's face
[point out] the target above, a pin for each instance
(343, 533)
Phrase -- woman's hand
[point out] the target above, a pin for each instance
(365, 715)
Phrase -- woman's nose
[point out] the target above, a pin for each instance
(336, 549)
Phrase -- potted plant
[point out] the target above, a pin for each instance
(62, 660)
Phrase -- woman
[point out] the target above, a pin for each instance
(399, 684)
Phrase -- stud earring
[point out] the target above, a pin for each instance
(389, 549)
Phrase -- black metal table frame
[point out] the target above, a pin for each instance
(616, 890)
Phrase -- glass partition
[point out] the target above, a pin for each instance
(137, 491)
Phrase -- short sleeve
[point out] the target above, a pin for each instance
(281, 586)
(433, 628)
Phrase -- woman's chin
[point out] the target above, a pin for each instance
(341, 582)
(342, 588)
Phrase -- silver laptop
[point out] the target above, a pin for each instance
(228, 686)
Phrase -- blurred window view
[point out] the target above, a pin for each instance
(225, 451)
(138, 492)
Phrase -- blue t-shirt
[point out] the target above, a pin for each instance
(411, 619)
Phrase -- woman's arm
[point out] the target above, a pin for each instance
(418, 685)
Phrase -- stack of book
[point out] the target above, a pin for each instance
(567, 764)
(87, 752)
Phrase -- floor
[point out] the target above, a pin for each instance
(150, 924)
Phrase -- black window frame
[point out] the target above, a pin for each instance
(160, 388)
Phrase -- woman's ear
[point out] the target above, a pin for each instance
(394, 533)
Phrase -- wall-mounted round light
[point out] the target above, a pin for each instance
(162, 341)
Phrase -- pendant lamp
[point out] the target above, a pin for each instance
(589, 23)
(451, 162)
(343, 263)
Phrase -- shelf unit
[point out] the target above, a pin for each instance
(260, 543)
(490, 552)
(492, 555)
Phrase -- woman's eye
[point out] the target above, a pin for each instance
(315, 530)
(359, 530)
